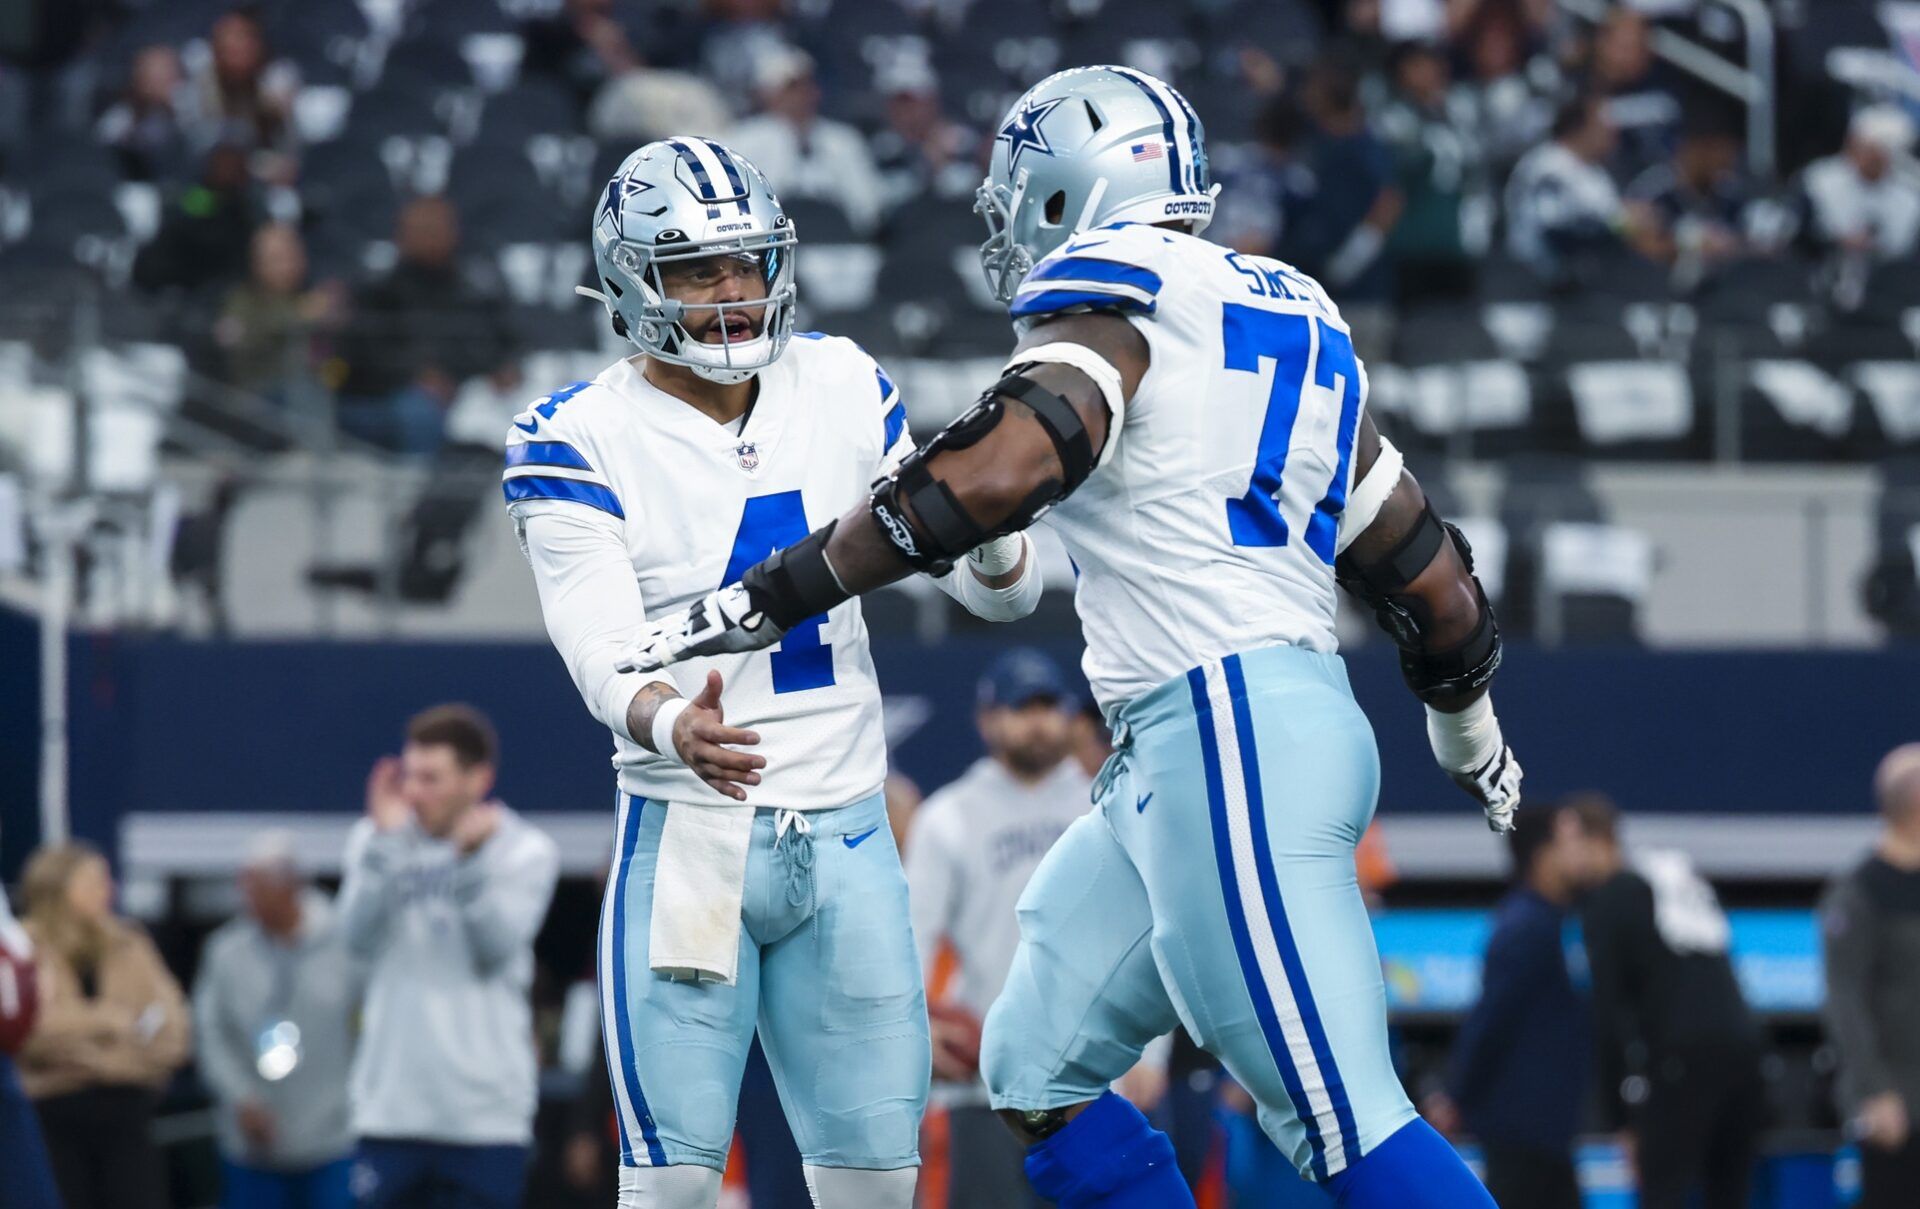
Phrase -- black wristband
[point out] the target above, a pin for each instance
(791, 585)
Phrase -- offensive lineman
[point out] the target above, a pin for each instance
(1193, 422)
(737, 897)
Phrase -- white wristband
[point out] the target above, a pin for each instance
(1465, 741)
(999, 556)
(664, 716)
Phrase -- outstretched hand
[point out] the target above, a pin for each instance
(705, 743)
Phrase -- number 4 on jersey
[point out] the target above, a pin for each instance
(1251, 333)
(769, 523)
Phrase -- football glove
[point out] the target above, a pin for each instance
(720, 623)
(1496, 786)
(1469, 747)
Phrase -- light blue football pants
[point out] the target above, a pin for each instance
(828, 971)
(1213, 886)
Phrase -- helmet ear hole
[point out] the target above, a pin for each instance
(1056, 208)
(613, 287)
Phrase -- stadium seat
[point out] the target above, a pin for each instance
(526, 109)
(1633, 408)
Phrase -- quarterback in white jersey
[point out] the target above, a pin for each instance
(755, 883)
(1193, 423)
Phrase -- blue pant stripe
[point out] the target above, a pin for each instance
(1277, 911)
(1263, 1008)
(623, 1029)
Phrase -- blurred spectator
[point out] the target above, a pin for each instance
(1695, 205)
(413, 335)
(1859, 203)
(443, 893)
(1510, 108)
(1338, 231)
(267, 326)
(112, 1030)
(1524, 1055)
(1870, 919)
(1439, 169)
(148, 125)
(582, 47)
(1679, 1052)
(648, 104)
(1642, 101)
(1565, 217)
(203, 243)
(244, 96)
(23, 1154)
(973, 846)
(922, 154)
(1264, 184)
(802, 153)
(276, 1004)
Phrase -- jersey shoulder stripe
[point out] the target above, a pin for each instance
(546, 453)
(545, 487)
(1096, 271)
(1032, 304)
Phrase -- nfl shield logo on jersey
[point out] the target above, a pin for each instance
(748, 455)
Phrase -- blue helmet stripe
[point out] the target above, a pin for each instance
(1095, 268)
(733, 173)
(1195, 156)
(700, 176)
(1167, 126)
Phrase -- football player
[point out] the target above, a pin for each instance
(1192, 422)
(755, 880)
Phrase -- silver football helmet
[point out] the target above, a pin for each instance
(1083, 148)
(683, 199)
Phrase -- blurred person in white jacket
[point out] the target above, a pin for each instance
(971, 850)
(1861, 201)
(275, 1005)
(811, 156)
(445, 890)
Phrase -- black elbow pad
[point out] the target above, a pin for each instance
(926, 522)
(1431, 674)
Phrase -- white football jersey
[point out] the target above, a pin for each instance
(1211, 528)
(695, 504)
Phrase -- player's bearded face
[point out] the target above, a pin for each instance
(700, 285)
(1032, 738)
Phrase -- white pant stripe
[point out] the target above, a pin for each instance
(1246, 876)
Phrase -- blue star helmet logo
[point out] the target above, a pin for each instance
(1023, 131)
(620, 190)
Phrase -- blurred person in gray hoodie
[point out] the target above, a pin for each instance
(275, 1006)
(444, 892)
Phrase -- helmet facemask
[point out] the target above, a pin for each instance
(661, 325)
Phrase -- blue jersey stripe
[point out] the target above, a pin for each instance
(1263, 1009)
(546, 453)
(540, 487)
(1277, 911)
(1096, 268)
(1046, 302)
(1166, 121)
(629, 1069)
(895, 425)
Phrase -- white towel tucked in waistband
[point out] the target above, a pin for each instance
(698, 883)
